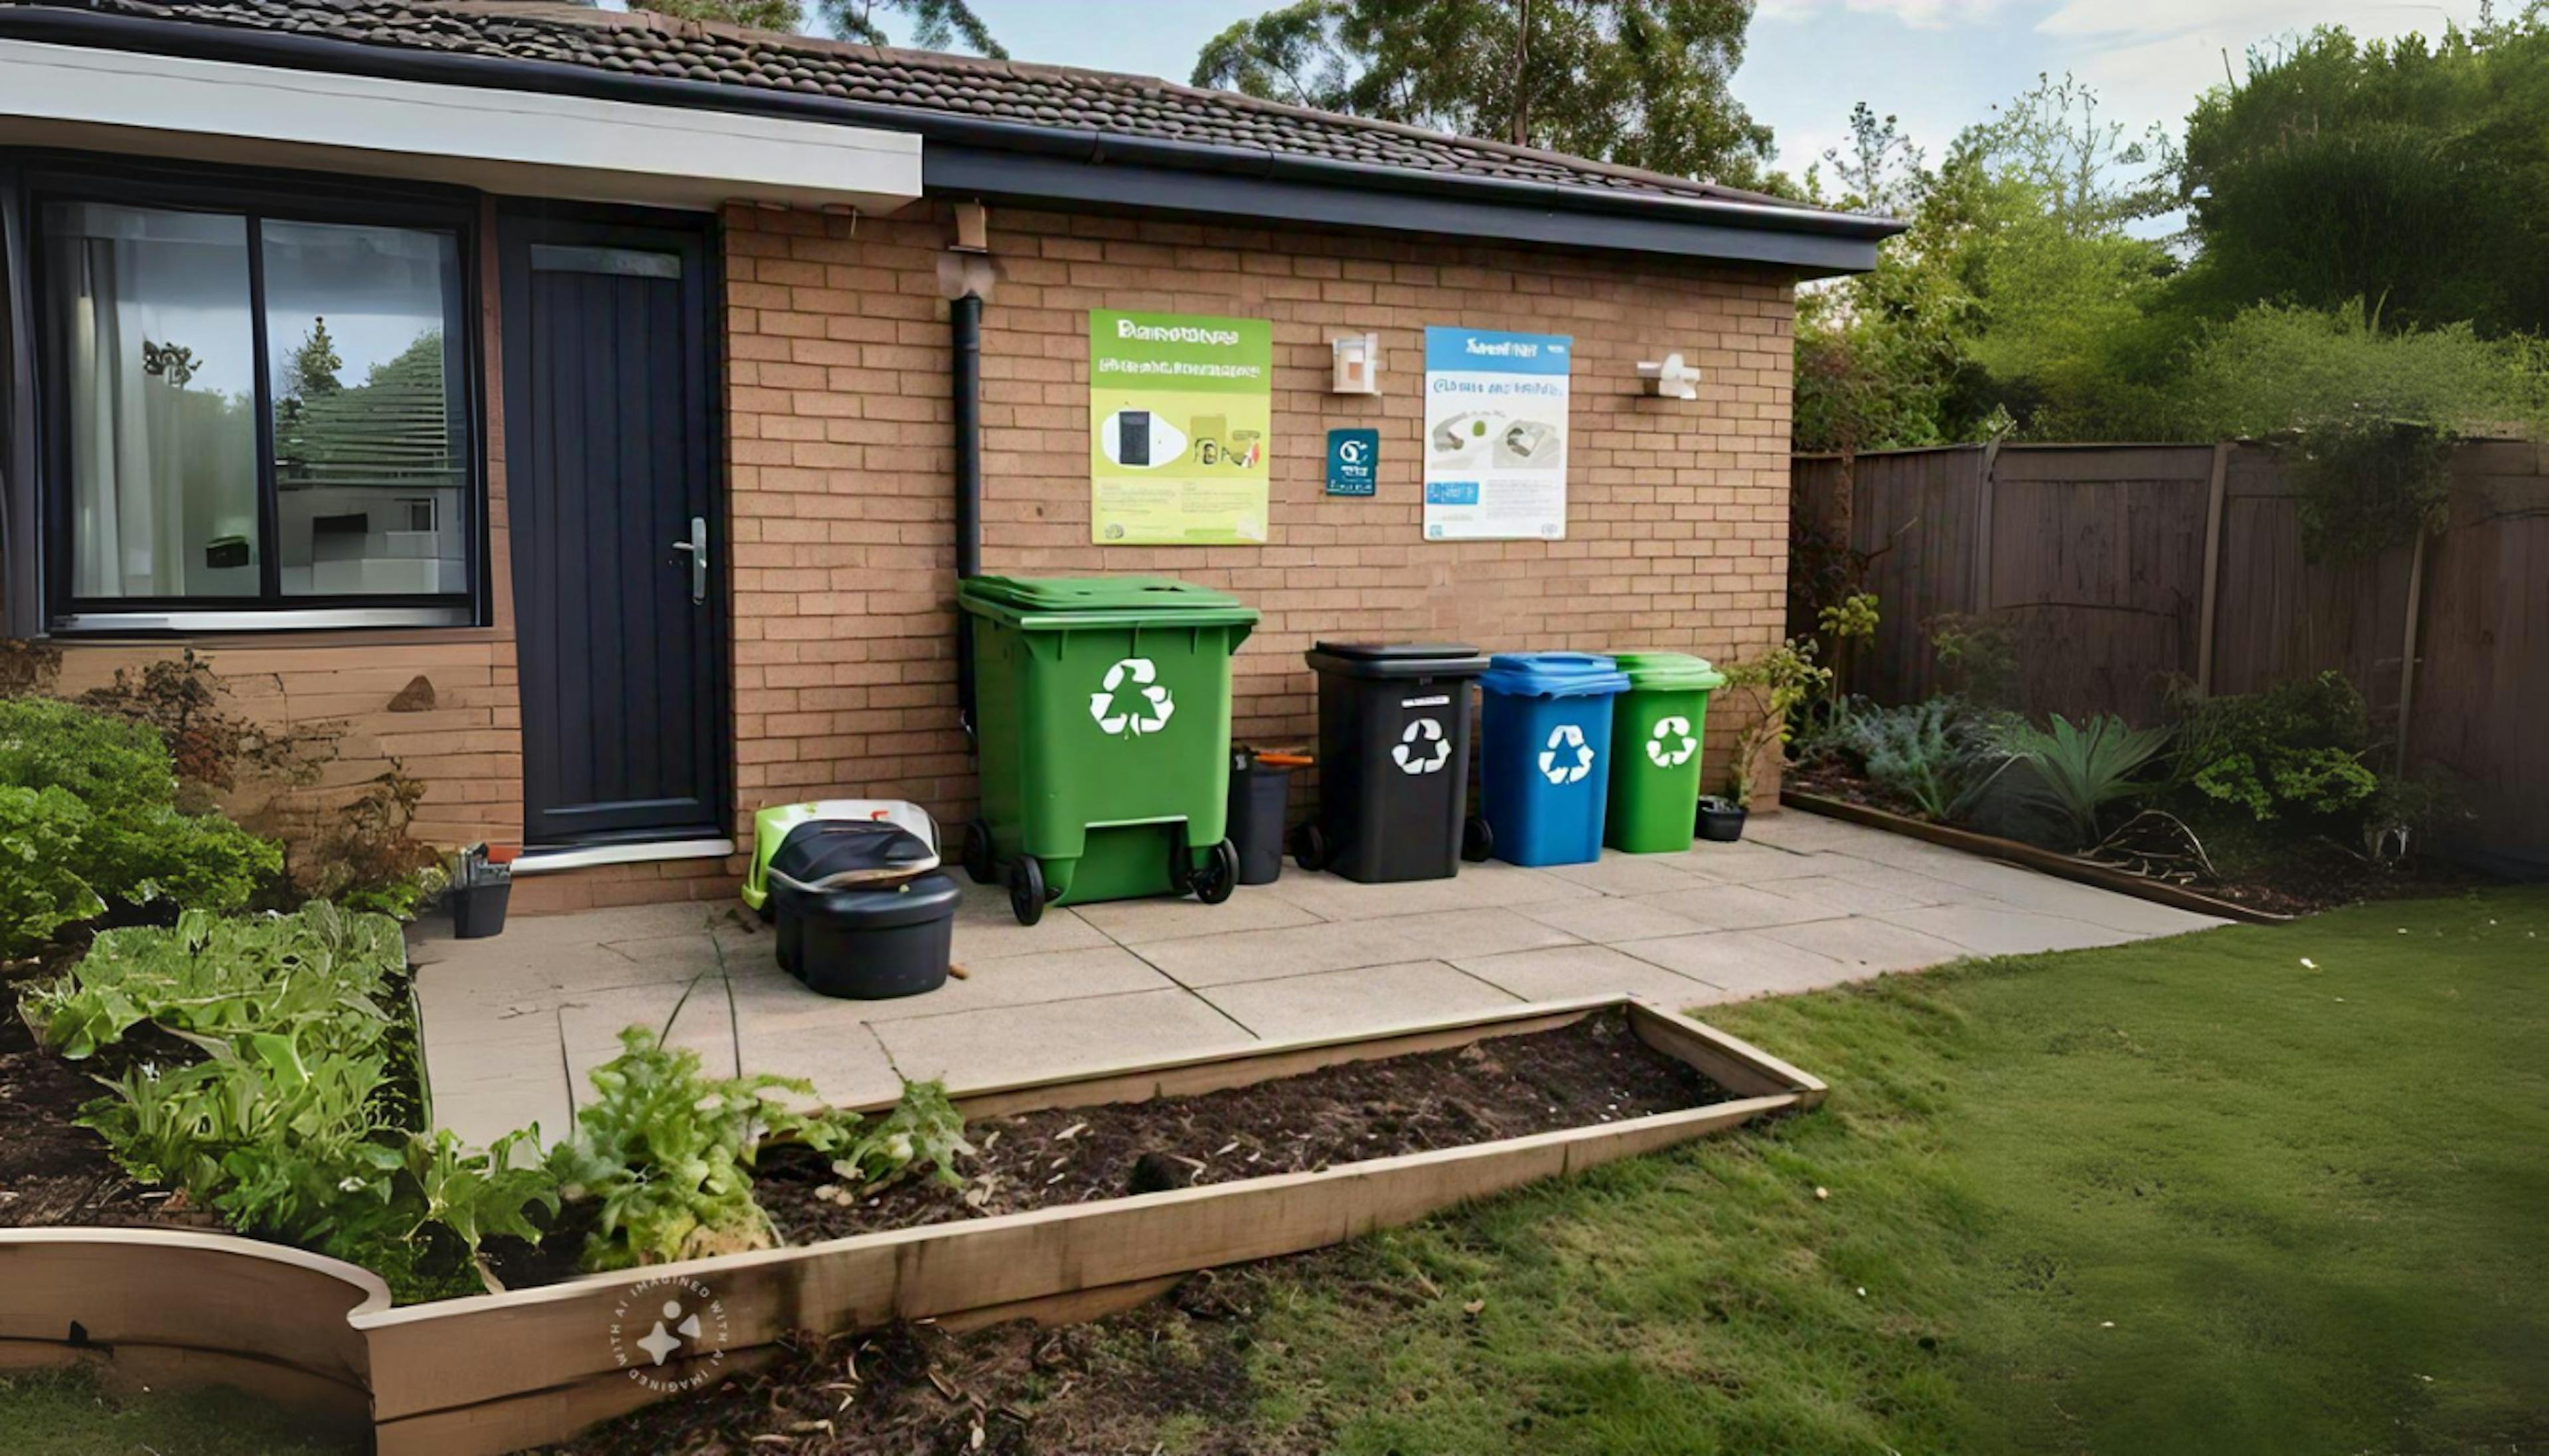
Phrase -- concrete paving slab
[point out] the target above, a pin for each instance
(1735, 907)
(1338, 1001)
(1258, 955)
(986, 929)
(784, 1004)
(1864, 894)
(1137, 922)
(1563, 972)
(1332, 898)
(843, 1059)
(1794, 828)
(1616, 873)
(589, 1026)
(1010, 1043)
(1749, 863)
(1740, 962)
(1610, 919)
(1455, 933)
(1993, 929)
(1867, 946)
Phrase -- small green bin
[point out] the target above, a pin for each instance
(1102, 712)
(1656, 730)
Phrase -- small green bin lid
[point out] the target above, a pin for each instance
(1096, 593)
(1669, 672)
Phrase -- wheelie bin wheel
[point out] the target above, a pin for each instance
(1310, 846)
(1478, 840)
(1218, 876)
(978, 860)
(1026, 889)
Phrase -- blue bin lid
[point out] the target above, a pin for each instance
(1553, 674)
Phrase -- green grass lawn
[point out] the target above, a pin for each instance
(2258, 1189)
(2253, 1191)
(67, 1413)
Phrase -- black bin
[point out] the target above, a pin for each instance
(1393, 760)
(1260, 792)
(862, 911)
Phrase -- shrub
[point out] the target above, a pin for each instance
(98, 804)
(668, 1152)
(1940, 754)
(1778, 683)
(2294, 749)
(2080, 768)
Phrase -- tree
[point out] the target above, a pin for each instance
(936, 24)
(2413, 173)
(1638, 82)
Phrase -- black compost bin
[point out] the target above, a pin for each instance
(1393, 760)
(861, 909)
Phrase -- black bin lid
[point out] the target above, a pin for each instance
(1397, 658)
(837, 854)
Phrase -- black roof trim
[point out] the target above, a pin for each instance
(1077, 159)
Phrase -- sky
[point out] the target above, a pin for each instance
(1938, 64)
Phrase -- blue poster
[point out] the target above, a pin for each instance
(1495, 434)
(1354, 462)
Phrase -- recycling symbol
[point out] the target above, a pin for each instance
(1561, 770)
(1138, 671)
(1411, 758)
(1661, 748)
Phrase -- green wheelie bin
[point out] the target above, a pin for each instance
(1102, 710)
(1655, 732)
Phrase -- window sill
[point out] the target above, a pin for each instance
(551, 861)
(204, 621)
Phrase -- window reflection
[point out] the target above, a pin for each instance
(370, 417)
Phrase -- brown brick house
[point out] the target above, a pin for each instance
(602, 372)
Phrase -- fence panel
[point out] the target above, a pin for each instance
(2094, 557)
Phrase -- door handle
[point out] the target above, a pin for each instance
(697, 549)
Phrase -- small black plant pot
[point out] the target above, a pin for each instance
(478, 910)
(1720, 821)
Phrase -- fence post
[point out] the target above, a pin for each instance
(1983, 492)
(2408, 647)
(2213, 511)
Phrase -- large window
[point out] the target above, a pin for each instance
(262, 418)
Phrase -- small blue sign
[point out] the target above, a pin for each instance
(1354, 462)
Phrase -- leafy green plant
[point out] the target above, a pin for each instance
(667, 1153)
(1853, 618)
(1977, 657)
(99, 811)
(2079, 770)
(1776, 686)
(289, 1120)
(1941, 753)
(2293, 750)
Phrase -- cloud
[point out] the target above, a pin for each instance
(2150, 60)
(1924, 15)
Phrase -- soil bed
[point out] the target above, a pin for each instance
(52, 1172)
(2305, 877)
(1593, 1071)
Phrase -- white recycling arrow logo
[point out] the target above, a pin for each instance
(1663, 751)
(1142, 674)
(1411, 758)
(1564, 771)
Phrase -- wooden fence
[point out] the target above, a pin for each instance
(2119, 569)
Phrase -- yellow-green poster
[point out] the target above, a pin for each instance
(1178, 411)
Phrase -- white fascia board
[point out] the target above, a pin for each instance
(513, 141)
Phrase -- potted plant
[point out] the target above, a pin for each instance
(1776, 685)
(482, 885)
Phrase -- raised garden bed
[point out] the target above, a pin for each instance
(500, 1372)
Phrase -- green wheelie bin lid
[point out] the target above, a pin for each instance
(1669, 672)
(1062, 601)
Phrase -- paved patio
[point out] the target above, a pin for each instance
(514, 1023)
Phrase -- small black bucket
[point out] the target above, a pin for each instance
(1720, 821)
(478, 910)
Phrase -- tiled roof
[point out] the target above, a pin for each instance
(921, 82)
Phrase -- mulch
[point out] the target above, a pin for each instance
(1590, 1072)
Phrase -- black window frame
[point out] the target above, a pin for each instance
(258, 197)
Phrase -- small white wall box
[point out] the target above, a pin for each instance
(1358, 364)
(1670, 378)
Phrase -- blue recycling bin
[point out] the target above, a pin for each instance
(1543, 767)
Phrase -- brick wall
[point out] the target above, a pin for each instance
(843, 516)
